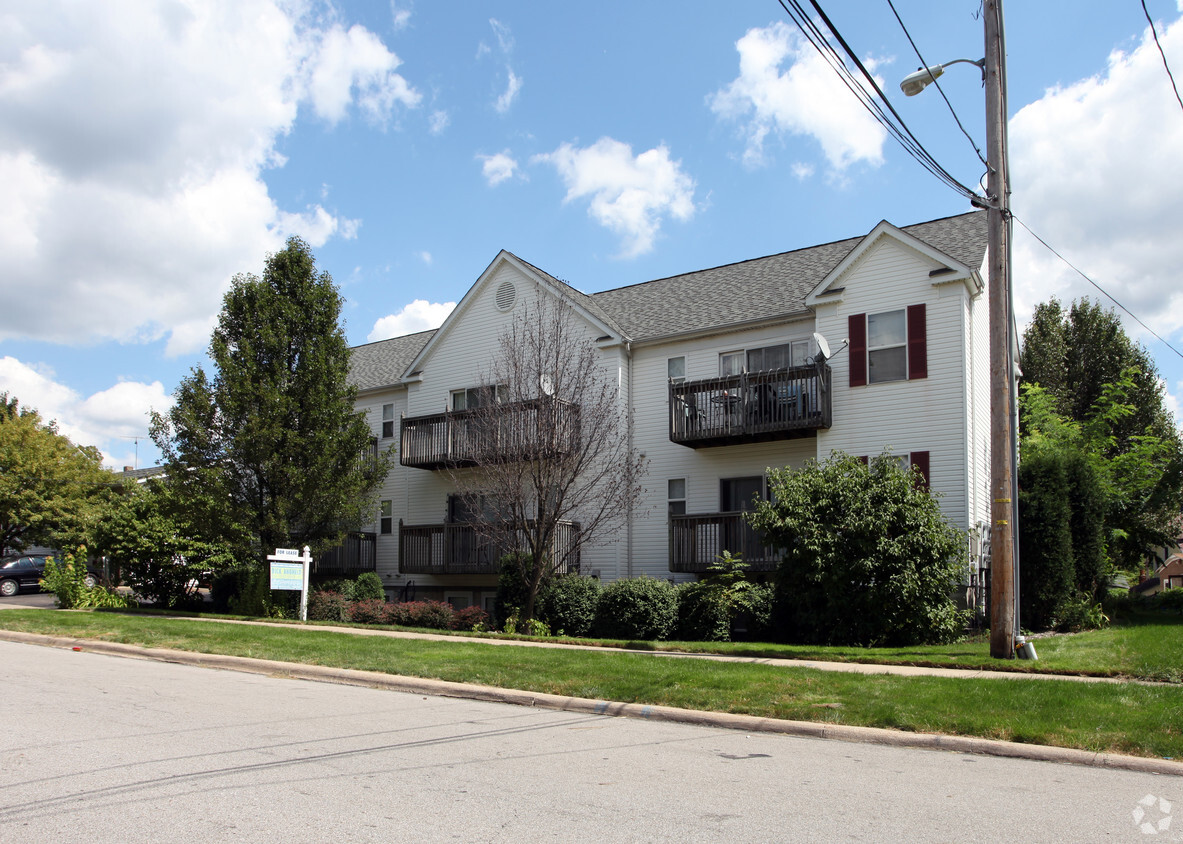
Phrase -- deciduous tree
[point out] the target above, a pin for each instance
(51, 491)
(552, 447)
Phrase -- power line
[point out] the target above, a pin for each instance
(1154, 32)
(1105, 292)
(924, 64)
(895, 127)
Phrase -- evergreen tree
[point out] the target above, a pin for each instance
(270, 452)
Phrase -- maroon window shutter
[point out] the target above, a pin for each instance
(917, 343)
(857, 331)
(920, 461)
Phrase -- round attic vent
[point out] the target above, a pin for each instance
(506, 295)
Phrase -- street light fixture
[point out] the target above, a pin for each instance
(1003, 510)
(916, 82)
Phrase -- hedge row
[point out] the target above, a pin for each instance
(639, 608)
(435, 615)
(643, 608)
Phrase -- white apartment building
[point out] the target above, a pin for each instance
(721, 368)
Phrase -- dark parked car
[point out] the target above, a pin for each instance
(26, 571)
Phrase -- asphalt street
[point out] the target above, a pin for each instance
(115, 749)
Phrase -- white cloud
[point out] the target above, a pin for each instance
(109, 419)
(806, 99)
(512, 86)
(513, 82)
(133, 139)
(498, 168)
(419, 315)
(438, 122)
(425, 257)
(355, 65)
(400, 18)
(1092, 167)
(629, 195)
(801, 171)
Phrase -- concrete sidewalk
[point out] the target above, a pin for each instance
(820, 665)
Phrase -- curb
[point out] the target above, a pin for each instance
(747, 723)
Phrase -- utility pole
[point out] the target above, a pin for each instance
(1002, 507)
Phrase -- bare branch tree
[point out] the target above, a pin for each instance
(549, 442)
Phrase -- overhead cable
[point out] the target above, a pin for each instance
(874, 103)
(1105, 292)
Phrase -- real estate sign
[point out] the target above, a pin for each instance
(289, 570)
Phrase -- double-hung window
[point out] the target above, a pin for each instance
(387, 421)
(386, 517)
(888, 346)
(677, 496)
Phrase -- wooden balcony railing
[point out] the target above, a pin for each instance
(352, 557)
(752, 407)
(526, 430)
(696, 540)
(457, 548)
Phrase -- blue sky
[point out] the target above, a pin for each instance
(151, 150)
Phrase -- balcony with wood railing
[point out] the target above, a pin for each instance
(526, 430)
(697, 540)
(354, 556)
(753, 407)
(459, 548)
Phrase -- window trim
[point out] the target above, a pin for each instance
(677, 379)
(388, 421)
(792, 343)
(671, 500)
(386, 517)
(915, 346)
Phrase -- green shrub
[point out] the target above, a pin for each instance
(328, 606)
(67, 581)
(512, 586)
(637, 608)
(368, 585)
(715, 608)
(343, 586)
(1080, 612)
(1045, 539)
(226, 586)
(525, 626)
(568, 605)
(255, 597)
(868, 557)
(1170, 600)
(368, 611)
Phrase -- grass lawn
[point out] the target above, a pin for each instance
(1122, 718)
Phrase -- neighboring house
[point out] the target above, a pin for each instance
(719, 367)
(1167, 576)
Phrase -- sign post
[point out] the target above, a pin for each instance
(290, 570)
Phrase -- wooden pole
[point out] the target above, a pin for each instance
(1002, 559)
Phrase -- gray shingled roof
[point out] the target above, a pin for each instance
(763, 288)
(383, 363)
(734, 294)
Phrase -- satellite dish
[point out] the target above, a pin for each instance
(823, 348)
(546, 384)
